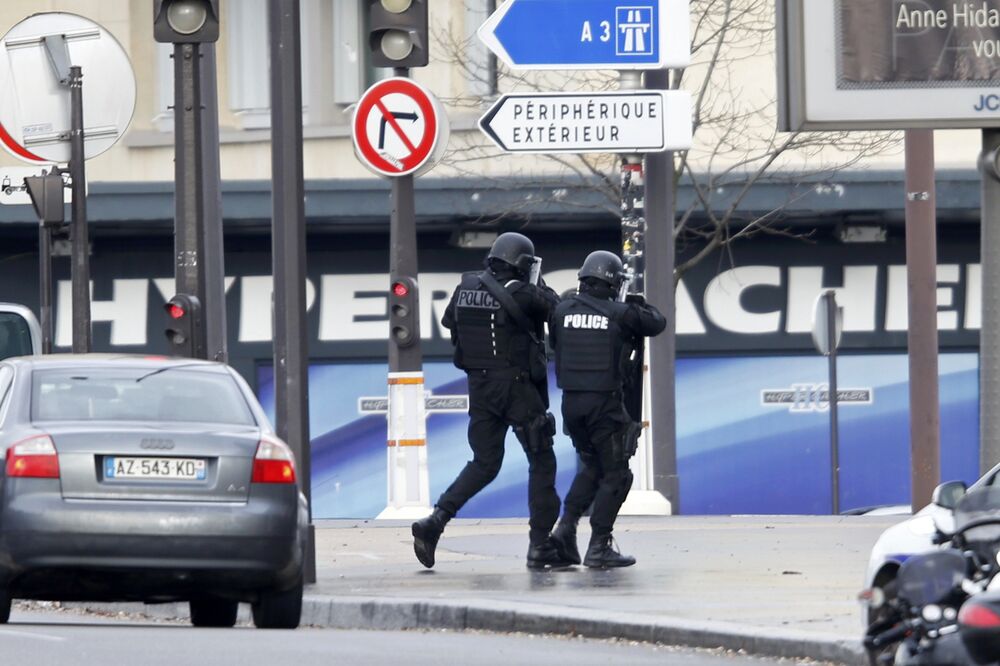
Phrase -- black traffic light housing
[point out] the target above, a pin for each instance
(408, 24)
(46, 192)
(404, 322)
(185, 333)
(186, 21)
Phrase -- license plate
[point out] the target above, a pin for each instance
(167, 469)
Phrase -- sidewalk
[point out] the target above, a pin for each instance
(770, 585)
(779, 585)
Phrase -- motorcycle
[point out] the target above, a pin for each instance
(977, 519)
(943, 607)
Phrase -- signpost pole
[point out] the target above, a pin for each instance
(214, 305)
(394, 149)
(922, 335)
(189, 243)
(408, 486)
(81, 244)
(45, 285)
(989, 337)
(659, 196)
(830, 297)
(288, 232)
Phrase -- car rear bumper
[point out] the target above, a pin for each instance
(172, 545)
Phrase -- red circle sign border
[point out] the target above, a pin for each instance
(428, 142)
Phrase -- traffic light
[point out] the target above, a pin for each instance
(397, 33)
(404, 325)
(47, 196)
(186, 21)
(184, 327)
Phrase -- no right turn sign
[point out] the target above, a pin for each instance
(399, 128)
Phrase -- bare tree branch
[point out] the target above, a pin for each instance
(736, 147)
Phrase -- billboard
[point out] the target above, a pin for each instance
(752, 435)
(872, 64)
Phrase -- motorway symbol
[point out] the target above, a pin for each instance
(589, 34)
(609, 122)
(399, 128)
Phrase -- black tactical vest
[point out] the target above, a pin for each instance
(590, 344)
(487, 336)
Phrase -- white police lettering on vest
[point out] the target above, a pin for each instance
(590, 321)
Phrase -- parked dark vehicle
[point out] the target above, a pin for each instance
(146, 479)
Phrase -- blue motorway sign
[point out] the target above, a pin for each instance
(589, 34)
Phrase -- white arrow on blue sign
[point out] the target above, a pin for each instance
(590, 34)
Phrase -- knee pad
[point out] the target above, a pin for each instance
(620, 480)
(489, 466)
(590, 461)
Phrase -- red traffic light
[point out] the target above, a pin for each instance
(400, 289)
(175, 311)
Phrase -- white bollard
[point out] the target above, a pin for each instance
(406, 453)
(642, 499)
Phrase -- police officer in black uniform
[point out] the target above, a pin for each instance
(496, 318)
(594, 336)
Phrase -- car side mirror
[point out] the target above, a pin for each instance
(947, 494)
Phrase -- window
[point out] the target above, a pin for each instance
(248, 65)
(15, 336)
(167, 393)
(164, 118)
(6, 377)
(481, 64)
(335, 64)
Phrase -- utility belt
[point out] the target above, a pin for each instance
(538, 434)
(498, 373)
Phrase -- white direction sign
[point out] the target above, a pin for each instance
(600, 122)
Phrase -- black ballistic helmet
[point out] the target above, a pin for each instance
(515, 249)
(604, 266)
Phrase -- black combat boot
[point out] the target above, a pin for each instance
(601, 554)
(564, 539)
(426, 533)
(546, 556)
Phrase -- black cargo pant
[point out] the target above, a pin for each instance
(592, 419)
(500, 399)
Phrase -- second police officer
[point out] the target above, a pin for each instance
(595, 335)
(496, 318)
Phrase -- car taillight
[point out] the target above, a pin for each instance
(273, 463)
(33, 457)
(978, 616)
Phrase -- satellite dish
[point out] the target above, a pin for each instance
(35, 106)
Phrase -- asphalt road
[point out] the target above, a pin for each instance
(70, 639)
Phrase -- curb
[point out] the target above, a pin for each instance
(393, 614)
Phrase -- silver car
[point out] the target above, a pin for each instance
(132, 478)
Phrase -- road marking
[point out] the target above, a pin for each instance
(29, 634)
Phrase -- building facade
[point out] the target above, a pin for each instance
(752, 426)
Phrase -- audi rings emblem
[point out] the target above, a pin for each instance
(157, 444)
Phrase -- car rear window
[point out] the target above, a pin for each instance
(171, 394)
